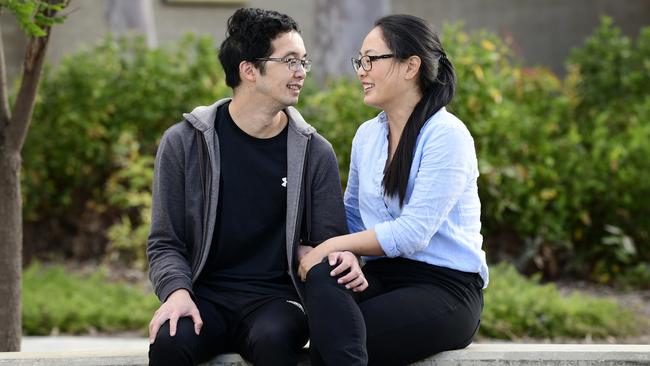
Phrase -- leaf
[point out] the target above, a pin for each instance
(486, 44)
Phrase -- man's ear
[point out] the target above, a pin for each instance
(412, 67)
(247, 71)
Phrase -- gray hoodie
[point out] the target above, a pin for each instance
(184, 206)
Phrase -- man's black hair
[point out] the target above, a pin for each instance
(249, 36)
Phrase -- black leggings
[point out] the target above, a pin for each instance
(264, 330)
(411, 310)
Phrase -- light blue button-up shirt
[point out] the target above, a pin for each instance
(440, 221)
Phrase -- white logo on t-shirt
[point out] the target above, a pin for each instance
(284, 182)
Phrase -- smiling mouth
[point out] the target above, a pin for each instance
(295, 87)
(367, 86)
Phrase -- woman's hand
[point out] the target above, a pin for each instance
(355, 279)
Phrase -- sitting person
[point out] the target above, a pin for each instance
(412, 208)
(229, 207)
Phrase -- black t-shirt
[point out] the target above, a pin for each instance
(248, 251)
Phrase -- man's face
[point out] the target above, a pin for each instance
(279, 83)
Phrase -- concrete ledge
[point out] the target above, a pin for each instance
(479, 354)
(76, 358)
(507, 354)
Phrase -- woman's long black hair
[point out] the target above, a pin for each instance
(407, 36)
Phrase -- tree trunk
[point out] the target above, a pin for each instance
(10, 227)
(10, 250)
(12, 136)
(341, 26)
(13, 130)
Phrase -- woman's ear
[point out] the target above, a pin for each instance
(247, 71)
(412, 67)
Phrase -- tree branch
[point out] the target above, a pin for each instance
(32, 68)
(5, 113)
(24, 105)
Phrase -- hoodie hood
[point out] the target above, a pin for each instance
(202, 118)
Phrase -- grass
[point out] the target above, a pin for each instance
(55, 301)
(516, 306)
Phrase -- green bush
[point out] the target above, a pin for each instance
(607, 84)
(87, 105)
(56, 301)
(128, 188)
(518, 307)
(564, 169)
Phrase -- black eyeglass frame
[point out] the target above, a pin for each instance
(305, 64)
(357, 63)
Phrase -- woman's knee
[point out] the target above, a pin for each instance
(319, 271)
(319, 275)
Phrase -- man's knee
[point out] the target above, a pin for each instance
(179, 346)
(274, 344)
(278, 335)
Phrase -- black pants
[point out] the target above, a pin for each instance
(411, 310)
(266, 330)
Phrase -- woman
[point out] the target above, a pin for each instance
(412, 204)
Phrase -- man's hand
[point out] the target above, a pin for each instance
(177, 305)
(308, 260)
(355, 279)
(303, 250)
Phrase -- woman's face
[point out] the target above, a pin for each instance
(381, 84)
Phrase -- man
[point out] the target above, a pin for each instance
(238, 186)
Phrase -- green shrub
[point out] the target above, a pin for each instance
(607, 85)
(128, 188)
(518, 307)
(56, 301)
(609, 70)
(85, 108)
(564, 170)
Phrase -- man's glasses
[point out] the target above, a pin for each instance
(365, 62)
(294, 64)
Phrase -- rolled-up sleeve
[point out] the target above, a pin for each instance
(442, 176)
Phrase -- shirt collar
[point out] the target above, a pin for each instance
(382, 117)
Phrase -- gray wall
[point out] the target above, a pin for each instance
(86, 24)
(543, 31)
